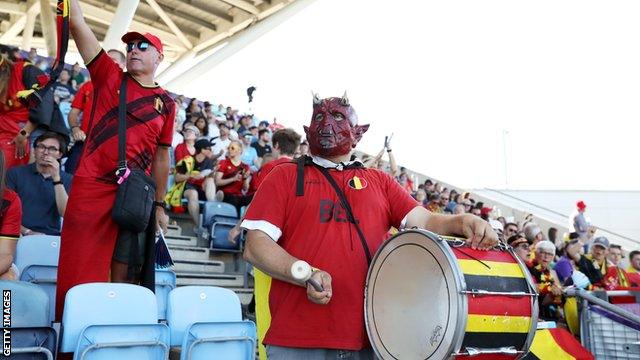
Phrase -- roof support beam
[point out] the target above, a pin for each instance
(13, 8)
(18, 25)
(29, 26)
(167, 20)
(242, 5)
(105, 17)
(237, 42)
(48, 23)
(120, 23)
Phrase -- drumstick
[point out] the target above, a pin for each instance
(301, 271)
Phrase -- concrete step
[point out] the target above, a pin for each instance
(202, 279)
(181, 240)
(192, 253)
(174, 230)
(245, 294)
(198, 266)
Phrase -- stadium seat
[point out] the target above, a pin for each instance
(206, 321)
(110, 321)
(224, 340)
(32, 336)
(165, 282)
(37, 259)
(218, 218)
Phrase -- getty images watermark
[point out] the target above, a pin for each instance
(6, 322)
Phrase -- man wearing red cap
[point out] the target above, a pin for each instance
(579, 222)
(93, 248)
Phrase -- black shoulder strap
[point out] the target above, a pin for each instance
(301, 162)
(122, 124)
(347, 208)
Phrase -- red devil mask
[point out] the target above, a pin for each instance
(334, 128)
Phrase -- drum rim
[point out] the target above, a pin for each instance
(462, 305)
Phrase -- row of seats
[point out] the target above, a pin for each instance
(110, 321)
(37, 259)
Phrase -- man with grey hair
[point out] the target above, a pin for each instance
(549, 286)
(533, 233)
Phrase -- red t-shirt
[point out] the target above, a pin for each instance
(83, 102)
(182, 151)
(229, 170)
(259, 176)
(12, 111)
(10, 215)
(150, 118)
(315, 229)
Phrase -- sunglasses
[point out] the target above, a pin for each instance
(141, 45)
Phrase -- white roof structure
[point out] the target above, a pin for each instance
(192, 31)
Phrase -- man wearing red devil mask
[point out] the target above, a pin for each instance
(294, 218)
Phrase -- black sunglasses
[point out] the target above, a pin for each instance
(142, 46)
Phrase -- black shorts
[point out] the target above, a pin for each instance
(201, 195)
(124, 249)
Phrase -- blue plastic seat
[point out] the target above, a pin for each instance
(37, 258)
(224, 340)
(111, 321)
(217, 208)
(165, 282)
(32, 336)
(218, 218)
(206, 321)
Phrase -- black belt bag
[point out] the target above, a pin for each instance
(136, 191)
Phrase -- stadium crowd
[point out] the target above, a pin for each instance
(217, 154)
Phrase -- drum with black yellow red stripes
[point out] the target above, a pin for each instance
(432, 297)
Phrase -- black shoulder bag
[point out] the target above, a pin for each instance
(136, 191)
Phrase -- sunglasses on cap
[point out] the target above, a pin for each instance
(141, 45)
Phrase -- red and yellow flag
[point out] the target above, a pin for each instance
(556, 344)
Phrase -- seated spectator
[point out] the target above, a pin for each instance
(285, 143)
(177, 134)
(533, 233)
(192, 109)
(181, 114)
(434, 204)
(466, 203)
(200, 121)
(459, 209)
(549, 288)
(521, 247)
(633, 271)
(262, 145)
(421, 196)
(598, 254)
(254, 132)
(232, 178)
(10, 218)
(444, 200)
(263, 125)
(249, 154)
(221, 144)
(42, 187)
(62, 89)
(485, 212)
(574, 268)
(187, 148)
(245, 123)
(510, 229)
(194, 180)
(615, 277)
(77, 78)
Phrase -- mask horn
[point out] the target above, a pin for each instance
(345, 100)
(316, 98)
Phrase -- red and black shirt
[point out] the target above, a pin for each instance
(150, 118)
(10, 215)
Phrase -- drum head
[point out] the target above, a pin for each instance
(413, 308)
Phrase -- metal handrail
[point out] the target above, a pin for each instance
(604, 304)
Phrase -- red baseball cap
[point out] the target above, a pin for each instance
(581, 205)
(152, 39)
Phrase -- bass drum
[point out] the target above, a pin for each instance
(427, 297)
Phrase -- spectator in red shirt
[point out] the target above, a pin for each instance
(10, 219)
(283, 227)
(233, 177)
(81, 105)
(93, 247)
(15, 75)
(187, 148)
